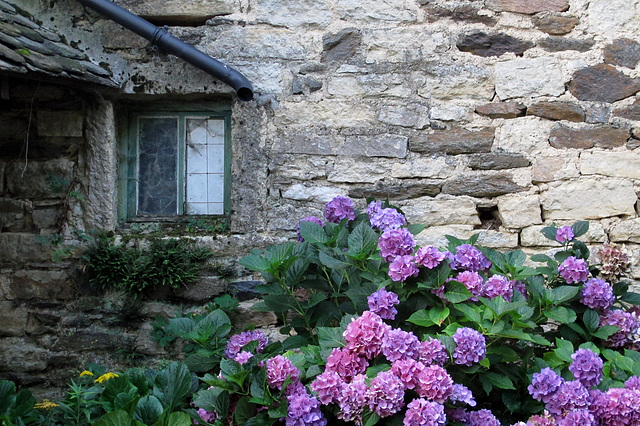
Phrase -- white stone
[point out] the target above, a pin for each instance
(402, 44)
(60, 123)
(519, 211)
(320, 194)
(293, 13)
(357, 171)
(614, 18)
(529, 78)
(588, 198)
(302, 168)
(344, 86)
(255, 42)
(398, 11)
(333, 113)
(458, 81)
(497, 239)
(413, 115)
(441, 211)
(525, 135)
(435, 235)
(450, 112)
(557, 167)
(616, 164)
(424, 167)
(625, 231)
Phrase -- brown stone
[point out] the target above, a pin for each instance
(528, 7)
(602, 83)
(203, 291)
(13, 319)
(342, 46)
(396, 192)
(455, 140)
(568, 111)
(498, 44)
(497, 161)
(623, 52)
(465, 13)
(502, 110)
(481, 185)
(93, 339)
(558, 44)
(632, 112)
(601, 137)
(554, 24)
(41, 285)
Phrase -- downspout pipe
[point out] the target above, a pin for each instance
(159, 37)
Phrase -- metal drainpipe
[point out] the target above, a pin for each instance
(159, 37)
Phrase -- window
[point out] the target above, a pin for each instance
(175, 164)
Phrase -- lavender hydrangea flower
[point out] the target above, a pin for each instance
(544, 384)
(564, 234)
(279, 369)
(399, 344)
(433, 351)
(597, 294)
(373, 209)
(469, 258)
(473, 282)
(387, 219)
(461, 393)
(571, 395)
(339, 208)
(308, 219)
(353, 400)
(207, 416)
(520, 287)
(633, 383)
(429, 257)
(396, 242)
(407, 371)
(626, 321)
(382, 302)
(403, 267)
(364, 335)
(617, 406)
(580, 417)
(482, 417)
(243, 357)
(573, 270)
(238, 341)
(346, 363)
(586, 367)
(386, 394)
(434, 383)
(328, 386)
(303, 409)
(545, 419)
(421, 412)
(471, 346)
(498, 285)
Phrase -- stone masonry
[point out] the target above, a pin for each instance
(496, 117)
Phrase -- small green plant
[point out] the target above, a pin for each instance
(164, 263)
(213, 226)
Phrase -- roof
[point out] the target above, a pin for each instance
(27, 48)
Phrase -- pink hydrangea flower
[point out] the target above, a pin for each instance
(403, 267)
(386, 394)
(573, 270)
(364, 335)
(396, 242)
(399, 344)
(346, 363)
(434, 384)
(429, 257)
(279, 369)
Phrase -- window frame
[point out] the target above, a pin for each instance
(128, 158)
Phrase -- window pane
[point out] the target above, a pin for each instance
(157, 166)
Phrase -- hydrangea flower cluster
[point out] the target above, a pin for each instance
(471, 346)
(597, 294)
(384, 219)
(403, 267)
(614, 263)
(308, 219)
(626, 321)
(238, 341)
(382, 302)
(564, 234)
(339, 208)
(573, 270)
(279, 369)
(429, 257)
(544, 384)
(473, 282)
(498, 285)
(423, 412)
(586, 367)
(396, 242)
(469, 258)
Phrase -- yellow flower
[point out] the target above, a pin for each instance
(106, 377)
(86, 373)
(45, 405)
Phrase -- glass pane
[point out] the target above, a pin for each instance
(157, 165)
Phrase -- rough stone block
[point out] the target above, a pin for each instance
(622, 52)
(502, 110)
(526, 135)
(20, 248)
(395, 11)
(435, 235)
(320, 194)
(402, 44)
(202, 291)
(404, 191)
(431, 167)
(588, 198)
(244, 316)
(531, 236)
(568, 111)
(13, 215)
(446, 82)
(555, 24)
(356, 171)
(441, 211)
(449, 112)
(41, 179)
(36, 284)
(559, 44)
(529, 78)
(24, 356)
(456, 140)
(293, 13)
(344, 86)
(551, 168)
(632, 112)
(614, 164)
(93, 339)
(13, 319)
(308, 141)
(482, 185)
(299, 168)
(13, 126)
(496, 44)
(497, 161)
(519, 211)
(383, 145)
(603, 83)
(601, 137)
(625, 231)
(180, 11)
(528, 7)
(60, 123)
(342, 46)
(613, 18)
(45, 218)
(413, 115)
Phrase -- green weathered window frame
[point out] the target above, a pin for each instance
(127, 185)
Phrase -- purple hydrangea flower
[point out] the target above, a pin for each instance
(328, 386)
(520, 287)
(207, 416)
(586, 367)
(399, 344)
(434, 383)
(498, 285)
(564, 234)
(339, 208)
(470, 346)
(429, 257)
(570, 396)
(238, 341)
(626, 321)
(473, 282)
(469, 258)
(461, 393)
(242, 357)
(580, 417)
(279, 369)
(421, 412)
(544, 384)
(353, 400)
(386, 394)
(617, 406)
(303, 409)
(387, 219)
(396, 242)
(364, 335)
(597, 294)
(407, 371)
(433, 351)
(382, 302)
(346, 363)
(633, 383)
(545, 419)
(403, 267)
(573, 270)
(482, 417)
(308, 219)
(456, 415)
(373, 209)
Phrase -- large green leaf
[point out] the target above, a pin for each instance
(149, 410)
(421, 318)
(561, 314)
(456, 292)
(174, 419)
(115, 418)
(7, 396)
(580, 228)
(172, 385)
(362, 241)
(313, 233)
(331, 262)
(564, 293)
(255, 262)
(113, 389)
(330, 337)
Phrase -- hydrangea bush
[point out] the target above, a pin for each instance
(384, 331)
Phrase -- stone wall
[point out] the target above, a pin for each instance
(495, 116)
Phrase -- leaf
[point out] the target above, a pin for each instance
(174, 419)
(541, 258)
(172, 385)
(362, 241)
(149, 410)
(605, 331)
(278, 303)
(295, 273)
(550, 232)
(591, 320)
(561, 314)
(515, 258)
(438, 315)
(632, 298)
(470, 312)
(255, 262)
(181, 326)
(564, 293)
(580, 228)
(500, 380)
(456, 292)
(564, 350)
(330, 337)
(416, 228)
(312, 232)
(331, 262)
(115, 418)
(421, 318)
